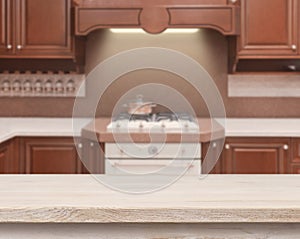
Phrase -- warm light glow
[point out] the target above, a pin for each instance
(181, 30)
(167, 31)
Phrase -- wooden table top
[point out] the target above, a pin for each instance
(214, 199)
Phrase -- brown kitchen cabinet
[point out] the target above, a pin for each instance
(5, 33)
(35, 29)
(256, 156)
(216, 159)
(269, 29)
(294, 165)
(50, 155)
(93, 157)
(9, 157)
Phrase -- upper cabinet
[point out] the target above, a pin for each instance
(269, 29)
(155, 16)
(36, 29)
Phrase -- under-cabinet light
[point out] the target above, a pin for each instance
(169, 30)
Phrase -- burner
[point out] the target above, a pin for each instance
(174, 117)
(147, 118)
(121, 116)
(185, 116)
(133, 117)
(164, 121)
(165, 116)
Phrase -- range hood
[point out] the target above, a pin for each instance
(154, 16)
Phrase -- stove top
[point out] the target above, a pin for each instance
(160, 121)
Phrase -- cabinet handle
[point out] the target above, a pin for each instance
(294, 47)
(285, 147)
(227, 146)
(19, 47)
(9, 46)
(233, 1)
(80, 145)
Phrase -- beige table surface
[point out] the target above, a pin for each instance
(214, 199)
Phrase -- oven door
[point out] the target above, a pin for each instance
(162, 159)
(155, 166)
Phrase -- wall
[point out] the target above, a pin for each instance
(207, 47)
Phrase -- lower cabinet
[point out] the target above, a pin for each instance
(40, 155)
(93, 157)
(212, 163)
(58, 155)
(9, 157)
(294, 165)
(50, 156)
(256, 156)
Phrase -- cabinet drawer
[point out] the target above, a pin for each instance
(152, 151)
(124, 166)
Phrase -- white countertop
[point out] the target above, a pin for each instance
(12, 127)
(214, 199)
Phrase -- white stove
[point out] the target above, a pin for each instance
(154, 156)
(168, 122)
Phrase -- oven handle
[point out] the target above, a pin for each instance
(139, 165)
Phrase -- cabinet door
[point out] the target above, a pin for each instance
(256, 155)
(269, 28)
(43, 28)
(216, 160)
(3, 23)
(93, 157)
(9, 157)
(6, 46)
(294, 165)
(5, 156)
(51, 155)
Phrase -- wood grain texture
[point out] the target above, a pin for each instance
(215, 199)
(150, 231)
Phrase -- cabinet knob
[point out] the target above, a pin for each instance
(292, 67)
(294, 47)
(153, 150)
(80, 145)
(91, 144)
(19, 47)
(227, 146)
(214, 145)
(9, 46)
(285, 147)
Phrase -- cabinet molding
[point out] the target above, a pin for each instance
(155, 17)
